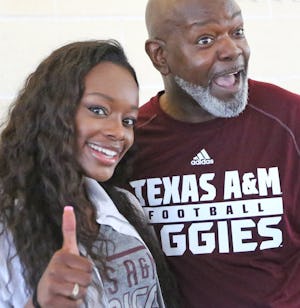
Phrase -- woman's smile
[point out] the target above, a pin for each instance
(105, 119)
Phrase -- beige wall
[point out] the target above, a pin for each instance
(31, 29)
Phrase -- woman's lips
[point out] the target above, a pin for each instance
(105, 155)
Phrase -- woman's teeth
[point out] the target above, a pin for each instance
(107, 152)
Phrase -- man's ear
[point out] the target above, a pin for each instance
(156, 51)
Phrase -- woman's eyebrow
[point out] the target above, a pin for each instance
(107, 97)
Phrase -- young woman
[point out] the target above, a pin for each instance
(68, 236)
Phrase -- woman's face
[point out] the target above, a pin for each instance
(105, 119)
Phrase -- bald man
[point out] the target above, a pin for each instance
(218, 166)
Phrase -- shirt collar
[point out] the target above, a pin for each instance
(103, 204)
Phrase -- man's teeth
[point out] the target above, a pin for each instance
(103, 150)
(227, 80)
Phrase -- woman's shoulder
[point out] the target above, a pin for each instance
(12, 285)
(132, 198)
(7, 247)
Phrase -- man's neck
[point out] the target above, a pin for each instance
(183, 109)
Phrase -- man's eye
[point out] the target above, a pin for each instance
(98, 110)
(206, 40)
(239, 32)
(129, 121)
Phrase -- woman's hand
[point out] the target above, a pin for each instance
(68, 275)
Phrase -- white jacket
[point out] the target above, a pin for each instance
(14, 294)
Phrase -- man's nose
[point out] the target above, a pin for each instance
(228, 48)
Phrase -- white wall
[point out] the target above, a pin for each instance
(31, 29)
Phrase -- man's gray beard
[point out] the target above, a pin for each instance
(218, 108)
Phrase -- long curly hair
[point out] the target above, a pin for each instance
(39, 174)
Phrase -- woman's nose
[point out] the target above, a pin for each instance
(115, 129)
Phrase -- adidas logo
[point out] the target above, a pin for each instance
(202, 158)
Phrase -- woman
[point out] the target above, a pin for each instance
(68, 129)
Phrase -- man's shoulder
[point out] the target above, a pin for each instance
(268, 93)
(149, 110)
(153, 103)
(275, 103)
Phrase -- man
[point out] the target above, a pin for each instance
(217, 168)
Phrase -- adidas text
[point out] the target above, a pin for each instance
(202, 162)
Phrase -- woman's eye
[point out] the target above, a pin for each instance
(98, 110)
(206, 40)
(129, 121)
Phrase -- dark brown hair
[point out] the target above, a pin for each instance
(38, 172)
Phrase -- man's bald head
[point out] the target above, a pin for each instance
(160, 17)
(165, 16)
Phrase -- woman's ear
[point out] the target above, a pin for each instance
(156, 51)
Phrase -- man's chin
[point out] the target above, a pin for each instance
(219, 104)
(221, 108)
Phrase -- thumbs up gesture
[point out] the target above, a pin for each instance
(69, 231)
(68, 275)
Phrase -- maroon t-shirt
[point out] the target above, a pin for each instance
(224, 197)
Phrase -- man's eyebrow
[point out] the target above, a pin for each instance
(211, 20)
(237, 13)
